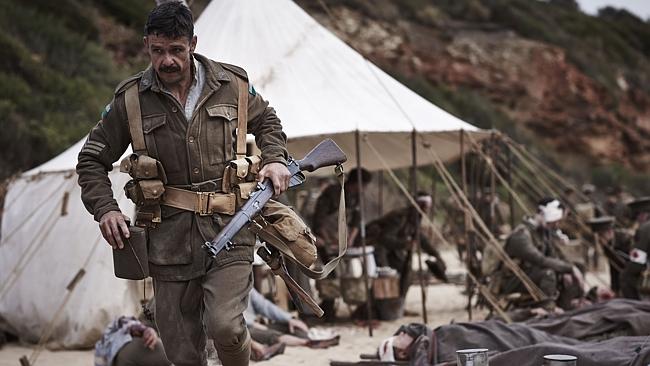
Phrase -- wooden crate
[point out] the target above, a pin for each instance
(386, 287)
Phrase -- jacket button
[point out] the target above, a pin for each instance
(191, 139)
(196, 170)
(174, 109)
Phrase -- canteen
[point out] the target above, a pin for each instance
(132, 262)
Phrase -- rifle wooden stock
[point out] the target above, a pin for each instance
(298, 295)
(326, 153)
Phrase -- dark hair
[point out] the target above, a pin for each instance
(422, 194)
(353, 178)
(172, 20)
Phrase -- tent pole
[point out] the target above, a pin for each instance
(511, 202)
(466, 223)
(414, 188)
(362, 232)
(434, 199)
(493, 186)
(380, 193)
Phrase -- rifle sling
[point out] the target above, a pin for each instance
(258, 228)
(134, 116)
(242, 118)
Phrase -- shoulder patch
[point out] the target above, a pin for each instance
(251, 90)
(128, 81)
(106, 110)
(236, 70)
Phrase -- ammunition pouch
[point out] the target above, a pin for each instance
(146, 188)
(240, 176)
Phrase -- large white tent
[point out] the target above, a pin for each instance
(47, 237)
(319, 86)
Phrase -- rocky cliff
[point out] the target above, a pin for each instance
(585, 99)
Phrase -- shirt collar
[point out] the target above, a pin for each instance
(195, 71)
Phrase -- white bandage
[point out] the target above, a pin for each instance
(428, 200)
(386, 351)
(638, 256)
(552, 211)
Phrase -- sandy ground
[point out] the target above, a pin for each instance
(445, 303)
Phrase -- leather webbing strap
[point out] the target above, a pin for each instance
(242, 118)
(134, 115)
(202, 203)
(259, 224)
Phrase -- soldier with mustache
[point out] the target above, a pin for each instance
(189, 109)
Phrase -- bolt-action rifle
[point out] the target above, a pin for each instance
(326, 153)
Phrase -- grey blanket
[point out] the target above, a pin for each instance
(574, 333)
(618, 317)
(493, 335)
(620, 351)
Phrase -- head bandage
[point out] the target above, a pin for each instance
(424, 199)
(552, 211)
(386, 351)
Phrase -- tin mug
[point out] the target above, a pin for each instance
(560, 360)
(472, 357)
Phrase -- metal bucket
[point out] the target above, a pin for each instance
(472, 357)
(132, 262)
(351, 265)
(560, 360)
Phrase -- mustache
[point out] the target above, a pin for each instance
(170, 69)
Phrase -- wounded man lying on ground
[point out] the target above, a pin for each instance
(126, 341)
(525, 344)
(614, 318)
(281, 327)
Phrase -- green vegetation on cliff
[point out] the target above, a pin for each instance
(56, 73)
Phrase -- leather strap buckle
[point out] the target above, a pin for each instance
(203, 206)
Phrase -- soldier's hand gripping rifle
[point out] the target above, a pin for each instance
(326, 153)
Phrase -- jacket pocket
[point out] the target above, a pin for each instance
(169, 245)
(221, 124)
(160, 141)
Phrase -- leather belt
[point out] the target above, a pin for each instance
(202, 203)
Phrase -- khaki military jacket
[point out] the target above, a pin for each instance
(325, 218)
(642, 241)
(391, 235)
(637, 263)
(191, 152)
(534, 251)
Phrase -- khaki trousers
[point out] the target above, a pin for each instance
(135, 353)
(209, 307)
